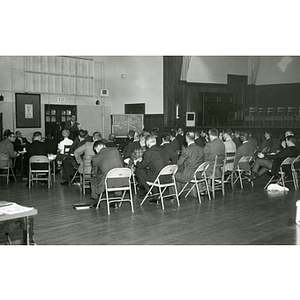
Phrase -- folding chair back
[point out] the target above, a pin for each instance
(158, 182)
(295, 167)
(217, 183)
(198, 178)
(117, 173)
(6, 164)
(41, 167)
(287, 162)
(240, 171)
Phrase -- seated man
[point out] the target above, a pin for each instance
(7, 146)
(199, 140)
(246, 149)
(20, 142)
(273, 162)
(69, 164)
(153, 161)
(135, 144)
(138, 153)
(166, 145)
(86, 150)
(111, 142)
(230, 146)
(173, 141)
(267, 145)
(106, 159)
(37, 147)
(191, 158)
(214, 147)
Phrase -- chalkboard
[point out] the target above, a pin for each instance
(121, 124)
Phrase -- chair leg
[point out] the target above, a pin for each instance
(265, 187)
(161, 198)
(198, 193)
(146, 195)
(107, 201)
(99, 200)
(131, 199)
(183, 189)
(176, 193)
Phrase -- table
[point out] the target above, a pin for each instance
(23, 220)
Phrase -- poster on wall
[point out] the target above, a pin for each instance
(28, 110)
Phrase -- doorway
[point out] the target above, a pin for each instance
(56, 117)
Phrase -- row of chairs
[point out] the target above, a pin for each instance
(262, 116)
(202, 182)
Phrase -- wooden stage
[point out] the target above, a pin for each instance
(243, 217)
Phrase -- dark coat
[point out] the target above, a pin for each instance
(211, 149)
(129, 149)
(281, 156)
(153, 161)
(246, 149)
(191, 158)
(104, 161)
(18, 145)
(173, 157)
(36, 148)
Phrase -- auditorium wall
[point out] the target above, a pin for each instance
(128, 79)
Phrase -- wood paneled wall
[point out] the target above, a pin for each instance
(189, 95)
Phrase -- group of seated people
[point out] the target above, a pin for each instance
(147, 153)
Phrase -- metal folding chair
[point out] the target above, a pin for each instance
(36, 172)
(117, 173)
(241, 172)
(281, 181)
(169, 170)
(198, 178)
(7, 165)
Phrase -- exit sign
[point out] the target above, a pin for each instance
(61, 99)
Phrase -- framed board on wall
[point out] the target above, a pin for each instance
(121, 124)
(28, 110)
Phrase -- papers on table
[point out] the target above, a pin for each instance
(11, 208)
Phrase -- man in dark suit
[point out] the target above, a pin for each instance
(129, 149)
(214, 147)
(166, 145)
(20, 142)
(191, 158)
(173, 141)
(73, 126)
(153, 161)
(106, 159)
(246, 149)
(69, 164)
(273, 162)
(37, 147)
(180, 138)
(199, 140)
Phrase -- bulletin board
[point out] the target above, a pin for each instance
(28, 110)
(121, 124)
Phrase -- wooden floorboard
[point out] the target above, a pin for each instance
(250, 216)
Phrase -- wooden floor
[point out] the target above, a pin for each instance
(250, 216)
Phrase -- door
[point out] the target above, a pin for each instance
(56, 117)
